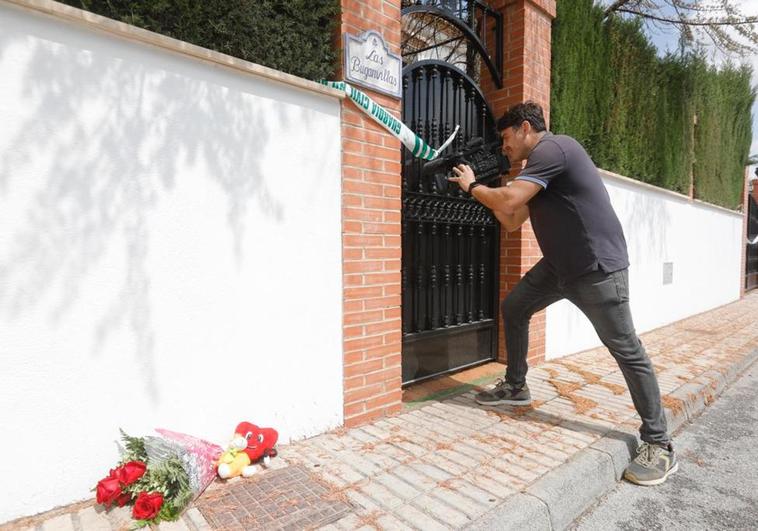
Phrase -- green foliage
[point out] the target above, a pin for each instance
(635, 112)
(170, 479)
(134, 448)
(293, 36)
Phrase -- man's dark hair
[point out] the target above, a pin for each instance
(528, 111)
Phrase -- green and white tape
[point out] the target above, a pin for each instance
(383, 117)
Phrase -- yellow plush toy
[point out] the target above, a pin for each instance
(233, 463)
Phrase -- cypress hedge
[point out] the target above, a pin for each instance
(293, 36)
(635, 112)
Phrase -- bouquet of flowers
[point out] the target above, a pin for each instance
(159, 475)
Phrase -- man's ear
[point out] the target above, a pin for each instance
(526, 127)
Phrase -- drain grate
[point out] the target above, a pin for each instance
(286, 498)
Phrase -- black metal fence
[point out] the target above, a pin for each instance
(751, 252)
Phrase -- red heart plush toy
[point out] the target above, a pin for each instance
(249, 444)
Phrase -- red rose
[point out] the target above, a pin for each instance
(130, 472)
(108, 489)
(123, 499)
(147, 505)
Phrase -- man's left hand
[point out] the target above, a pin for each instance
(464, 176)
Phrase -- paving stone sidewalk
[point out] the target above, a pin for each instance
(450, 463)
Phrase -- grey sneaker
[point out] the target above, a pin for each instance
(505, 393)
(652, 465)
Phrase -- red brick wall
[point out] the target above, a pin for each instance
(371, 236)
(526, 77)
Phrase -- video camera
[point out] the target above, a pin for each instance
(486, 160)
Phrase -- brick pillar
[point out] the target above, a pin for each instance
(370, 236)
(526, 76)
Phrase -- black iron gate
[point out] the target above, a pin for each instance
(450, 241)
(751, 253)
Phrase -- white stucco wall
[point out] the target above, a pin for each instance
(703, 242)
(170, 254)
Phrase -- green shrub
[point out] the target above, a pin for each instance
(295, 36)
(634, 111)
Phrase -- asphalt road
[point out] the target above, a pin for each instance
(716, 486)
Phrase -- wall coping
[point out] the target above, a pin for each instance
(132, 33)
(658, 189)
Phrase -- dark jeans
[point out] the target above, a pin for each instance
(604, 299)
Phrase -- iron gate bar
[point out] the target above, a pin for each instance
(431, 46)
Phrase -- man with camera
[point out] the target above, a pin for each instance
(584, 260)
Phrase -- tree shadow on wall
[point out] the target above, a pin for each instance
(648, 217)
(117, 126)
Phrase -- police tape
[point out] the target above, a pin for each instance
(383, 117)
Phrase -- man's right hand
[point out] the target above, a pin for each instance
(464, 176)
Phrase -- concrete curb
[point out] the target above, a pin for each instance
(559, 497)
(695, 395)
(519, 511)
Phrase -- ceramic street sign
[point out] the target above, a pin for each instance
(369, 63)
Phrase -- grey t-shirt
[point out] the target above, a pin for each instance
(572, 217)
